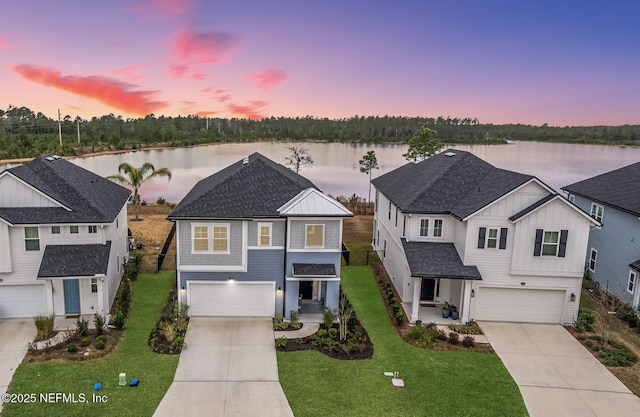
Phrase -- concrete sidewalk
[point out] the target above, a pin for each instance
(15, 334)
(228, 368)
(557, 376)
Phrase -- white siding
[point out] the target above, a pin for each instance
(448, 228)
(516, 201)
(14, 193)
(5, 249)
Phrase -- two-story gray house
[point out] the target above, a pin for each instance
(613, 255)
(63, 239)
(257, 239)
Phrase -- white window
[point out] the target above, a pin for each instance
(31, 239)
(550, 243)
(492, 238)
(632, 281)
(597, 211)
(592, 260)
(314, 237)
(220, 238)
(211, 238)
(424, 227)
(264, 234)
(437, 228)
(55, 230)
(93, 229)
(94, 285)
(74, 229)
(201, 238)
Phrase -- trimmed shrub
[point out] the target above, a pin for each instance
(585, 321)
(100, 345)
(453, 338)
(468, 341)
(85, 341)
(72, 348)
(44, 326)
(82, 327)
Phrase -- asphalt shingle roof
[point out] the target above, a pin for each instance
(74, 260)
(437, 260)
(313, 270)
(532, 207)
(458, 185)
(90, 197)
(635, 265)
(618, 188)
(255, 189)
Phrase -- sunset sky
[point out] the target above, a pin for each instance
(556, 62)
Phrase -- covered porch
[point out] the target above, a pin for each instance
(438, 278)
(311, 289)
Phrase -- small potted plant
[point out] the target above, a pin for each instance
(446, 311)
(454, 313)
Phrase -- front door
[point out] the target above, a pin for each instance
(71, 296)
(428, 289)
(306, 290)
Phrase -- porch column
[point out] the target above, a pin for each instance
(465, 302)
(48, 289)
(415, 304)
(101, 293)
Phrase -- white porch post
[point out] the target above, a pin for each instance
(415, 304)
(101, 293)
(465, 302)
(48, 289)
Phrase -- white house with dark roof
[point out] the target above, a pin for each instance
(497, 244)
(257, 239)
(613, 254)
(63, 239)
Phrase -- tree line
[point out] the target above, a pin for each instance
(25, 133)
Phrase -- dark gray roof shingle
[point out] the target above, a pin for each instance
(74, 260)
(314, 270)
(617, 188)
(532, 207)
(257, 189)
(437, 260)
(635, 265)
(458, 185)
(91, 198)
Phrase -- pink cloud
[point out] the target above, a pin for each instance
(266, 79)
(4, 43)
(199, 76)
(131, 72)
(250, 111)
(178, 70)
(106, 90)
(164, 8)
(203, 47)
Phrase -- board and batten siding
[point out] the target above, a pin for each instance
(618, 245)
(448, 228)
(332, 235)
(237, 230)
(277, 231)
(14, 193)
(262, 265)
(5, 249)
(515, 202)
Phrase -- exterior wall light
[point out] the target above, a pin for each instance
(572, 297)
(473, 293)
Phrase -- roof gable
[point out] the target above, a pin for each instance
(543, 202)
(26, 192)
(312, 202)
(453, 181)
(253, 187)
(617, 188)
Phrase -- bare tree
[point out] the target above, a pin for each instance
(298, 157)
(345, 312)
(608, 306)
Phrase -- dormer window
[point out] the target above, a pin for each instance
(597, 211)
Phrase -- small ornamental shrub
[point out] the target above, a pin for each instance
(100, 345)
(468, 341)
(101, 338)
(82, 327)
(44, 326)
(85, 341)
(178, 343)
(585, 321)
(281, 343)
(453, 338)
(98, 321)
(72, 348)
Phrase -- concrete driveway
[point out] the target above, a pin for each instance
(556, 375)
(14, 336)
(229, 368)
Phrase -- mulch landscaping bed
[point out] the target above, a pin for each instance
(61, 351)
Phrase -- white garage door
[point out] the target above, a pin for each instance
(22, 301)
(519, 305)
(248, 299)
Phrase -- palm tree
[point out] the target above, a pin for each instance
(135, 177)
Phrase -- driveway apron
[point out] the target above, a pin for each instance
(228, 368)
(15, 334)
(557, 376)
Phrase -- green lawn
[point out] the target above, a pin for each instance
(437, 383)
(132, 356)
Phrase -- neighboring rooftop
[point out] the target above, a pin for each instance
(74, 260)
(451, 182)
(437, 260)
(89, 197)
(618, 188)
(253, 187)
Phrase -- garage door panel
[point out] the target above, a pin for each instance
(519, 305)
(22, 301)
(231, 299)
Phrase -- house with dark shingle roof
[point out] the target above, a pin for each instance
(63, 239)
(257, 239)
(613, 251)
(496, 244)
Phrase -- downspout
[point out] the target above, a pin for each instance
(284, 268)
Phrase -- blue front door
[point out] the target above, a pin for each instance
(71, 296)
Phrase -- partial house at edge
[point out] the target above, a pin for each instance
(257, 239)
(63, 239)
(613, 252)
(497, 244)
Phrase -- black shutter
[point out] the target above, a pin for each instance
(503, 237)
(481, 234)
(562, 249)
(538, 245)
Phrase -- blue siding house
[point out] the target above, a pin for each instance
(613, 254)
(257, 239)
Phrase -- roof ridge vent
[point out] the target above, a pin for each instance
(245, 161)
(450, 154)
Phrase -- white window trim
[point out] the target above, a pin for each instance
(28, 239)
(58, 228)
(592, 259)
(420, 226)
(71, 232)
(270, 226)
(92, 227)
(94, 284)
(594, 213)
(306, 245)
(633, 282)
(497, 238)
(433, 233)
(210, 227)
(557, 244)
